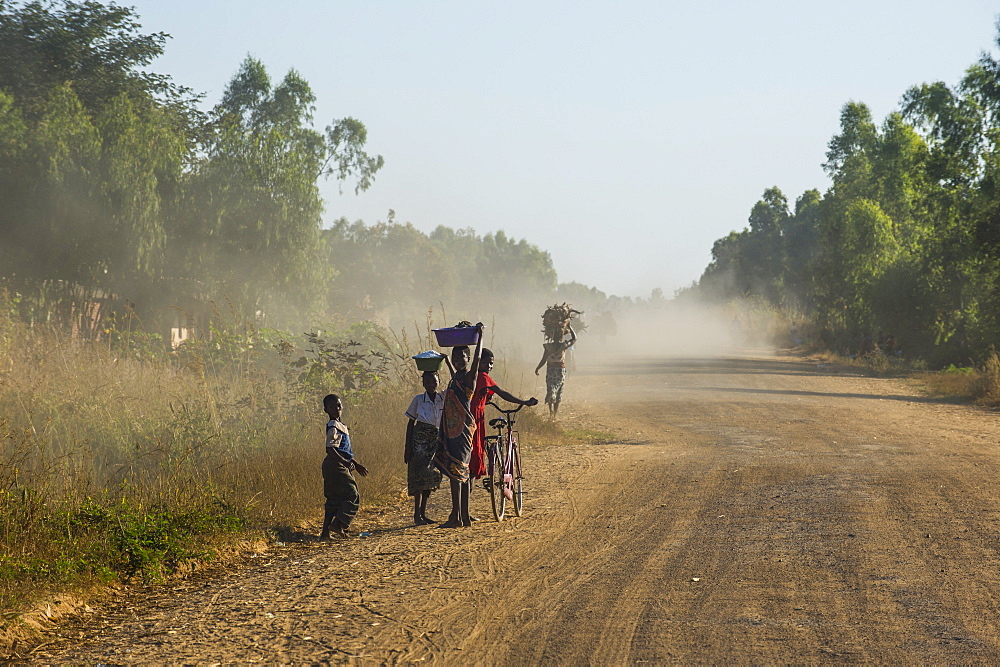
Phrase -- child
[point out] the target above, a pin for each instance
(339, 487)
(486, 387)
(458, 427)
(554, 358)
(421, 445)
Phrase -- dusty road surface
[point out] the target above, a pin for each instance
(756, 508)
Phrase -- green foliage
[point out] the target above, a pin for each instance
(904, 242)
(393, 266)
(106, 538)
(125, 336)
(148, 542)
(114, 186)
(98, 47)
(343, 364)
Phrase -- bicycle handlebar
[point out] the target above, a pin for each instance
(506, 412)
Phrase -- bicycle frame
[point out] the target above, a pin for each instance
(504, 477)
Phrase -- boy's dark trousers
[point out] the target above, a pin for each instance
(341, 491)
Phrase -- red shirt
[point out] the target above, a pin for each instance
(484, 389)
(477, 405)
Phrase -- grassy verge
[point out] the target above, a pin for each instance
(119, 462)
(979, 385)
(122, 463)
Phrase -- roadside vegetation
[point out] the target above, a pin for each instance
(904, 244)
(974, 383)
(120, 461)
(979, 385)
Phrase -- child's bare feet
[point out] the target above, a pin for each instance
(451, 523)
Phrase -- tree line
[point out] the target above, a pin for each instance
(117, 187)
(904, 243)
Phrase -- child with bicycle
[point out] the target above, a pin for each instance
(486, 387)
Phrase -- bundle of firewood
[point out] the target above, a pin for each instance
(556, 321)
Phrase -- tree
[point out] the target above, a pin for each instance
(96, 47)
(801, 248)
(728, 274)
(55, 199)
(383, 266)
(849, 154)
(255, 208)
(764, 244)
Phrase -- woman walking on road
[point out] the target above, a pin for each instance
(554, 360)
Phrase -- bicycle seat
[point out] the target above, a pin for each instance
(499, 422)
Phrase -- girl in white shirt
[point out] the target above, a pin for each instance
(422, 477)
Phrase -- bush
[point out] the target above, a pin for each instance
(987, 387)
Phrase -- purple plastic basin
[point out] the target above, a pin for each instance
(453, 336)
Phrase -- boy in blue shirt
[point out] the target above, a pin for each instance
(339, 487)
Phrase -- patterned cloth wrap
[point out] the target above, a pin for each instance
(458, 428)
(555, 378)
(421, 475)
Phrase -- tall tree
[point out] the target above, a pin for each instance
(98, 48)
(255, 205)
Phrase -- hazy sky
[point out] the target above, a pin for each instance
(622, 137)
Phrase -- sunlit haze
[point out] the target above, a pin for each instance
(623, 138)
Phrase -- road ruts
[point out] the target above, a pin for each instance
(754, 508)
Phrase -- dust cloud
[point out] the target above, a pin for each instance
(609, 330)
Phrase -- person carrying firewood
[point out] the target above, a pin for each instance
(554, 360)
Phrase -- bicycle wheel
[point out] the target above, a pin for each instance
(515, 468)
(495, 471)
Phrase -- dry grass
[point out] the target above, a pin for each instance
(980, 385)
(987, 386)
(114, 466)
(117, 461)
(958, 383)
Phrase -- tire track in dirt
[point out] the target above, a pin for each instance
(753, 510)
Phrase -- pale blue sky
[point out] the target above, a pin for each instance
(622, 137)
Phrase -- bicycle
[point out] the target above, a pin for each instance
(503, 464)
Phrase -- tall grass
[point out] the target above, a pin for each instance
(987, 386)
(120, 460)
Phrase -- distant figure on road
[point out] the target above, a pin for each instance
(554, 360)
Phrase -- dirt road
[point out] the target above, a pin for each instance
(754, 509)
